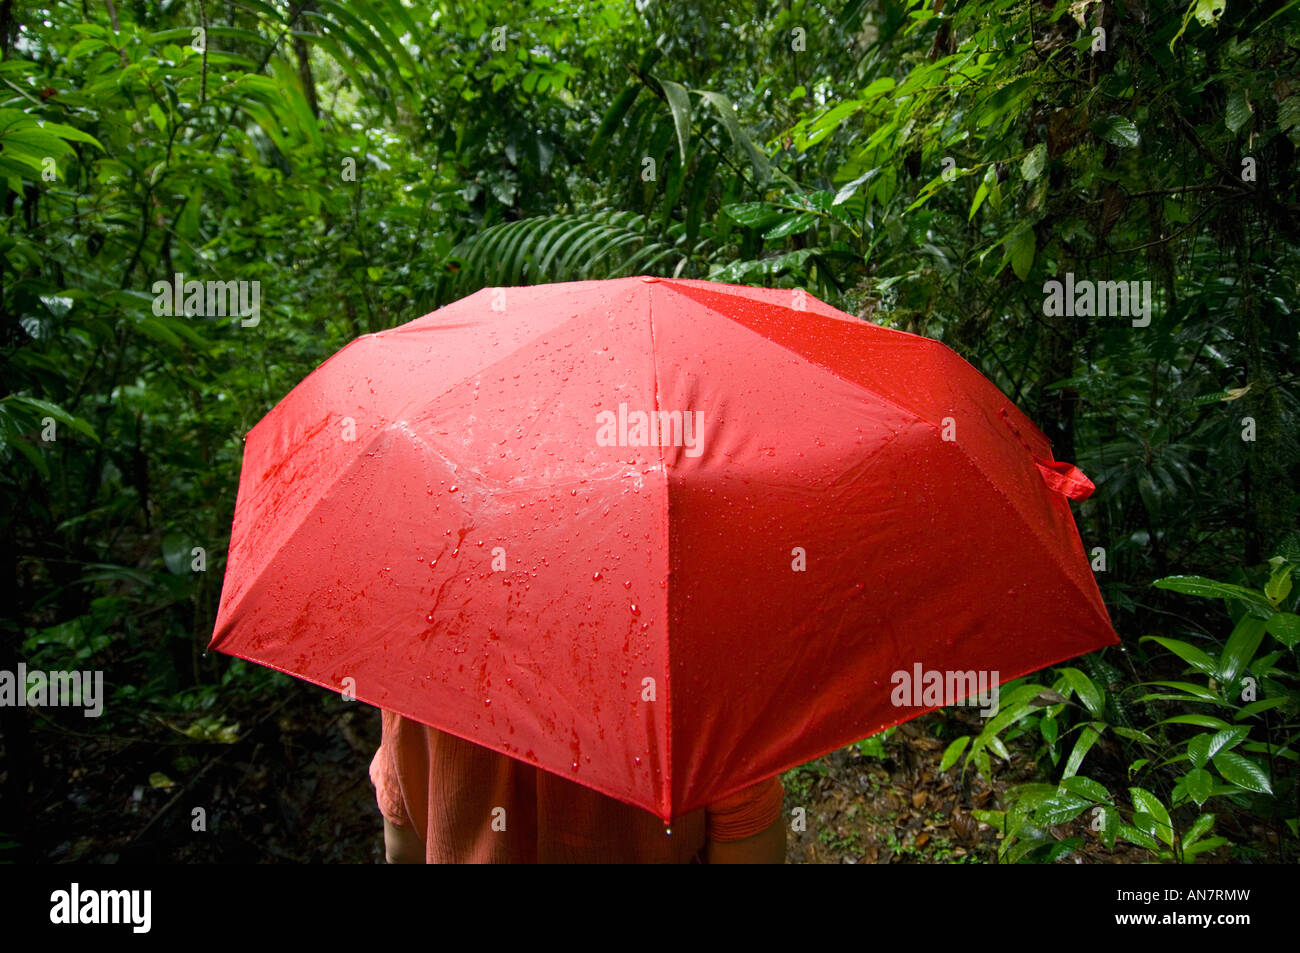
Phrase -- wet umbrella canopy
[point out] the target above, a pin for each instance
(663, 537)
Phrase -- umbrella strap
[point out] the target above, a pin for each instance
(1064, 478)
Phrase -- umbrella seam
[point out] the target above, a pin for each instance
(400, 414)
(811, 360)
(665, 787)
(1044, 542)
(916, 414)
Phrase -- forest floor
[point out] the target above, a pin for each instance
(294, 787)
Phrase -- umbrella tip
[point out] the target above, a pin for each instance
(649, 278)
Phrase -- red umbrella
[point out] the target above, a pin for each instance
(663, 537)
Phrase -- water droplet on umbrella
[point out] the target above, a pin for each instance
(635, 610)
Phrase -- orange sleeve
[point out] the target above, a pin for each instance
(384, 776)
(746, 812)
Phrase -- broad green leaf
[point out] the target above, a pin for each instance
(1243, 772)
(1239, 110)
(1135, 836)
(1278, 586)
(1086, 787)
(1060, 808)
(1288, 112)
(1285, 627)
(1034, 163)
(753, 214)
(1147, 803)
(1205, 746)
(70, 133)
(1199, 783)
(176, 554)
(1118, 131)
(1022, 247)
(791, 226)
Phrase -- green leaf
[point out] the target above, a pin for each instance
(791, 226)
(679, 101)
(1198, 783)
(1198, 829)
(982, 192)
(70, 132)
(1084, 689)
(953, 752)
(1135, 836)
(1086, 787)
(1207, 13)
(753, 214)
(1205, 746)
(1034, 163)
(1188, 653)
(1241, 648)
(1087, 738)
(1243, 772)
(1060, 808)
(1288, 112)
(46, 408)
(1117, 130)
(1238, 112)
(1133, 734)
(1285, 627)
(1200, 847)
(1196, 691)
(1278, 586)
(727, 113)
(1023, 245)
(1264, 704)
(1200, 586)
(847, 191)
(1147, 803)
(613, 118)
(1201, 721)
(176, 554)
